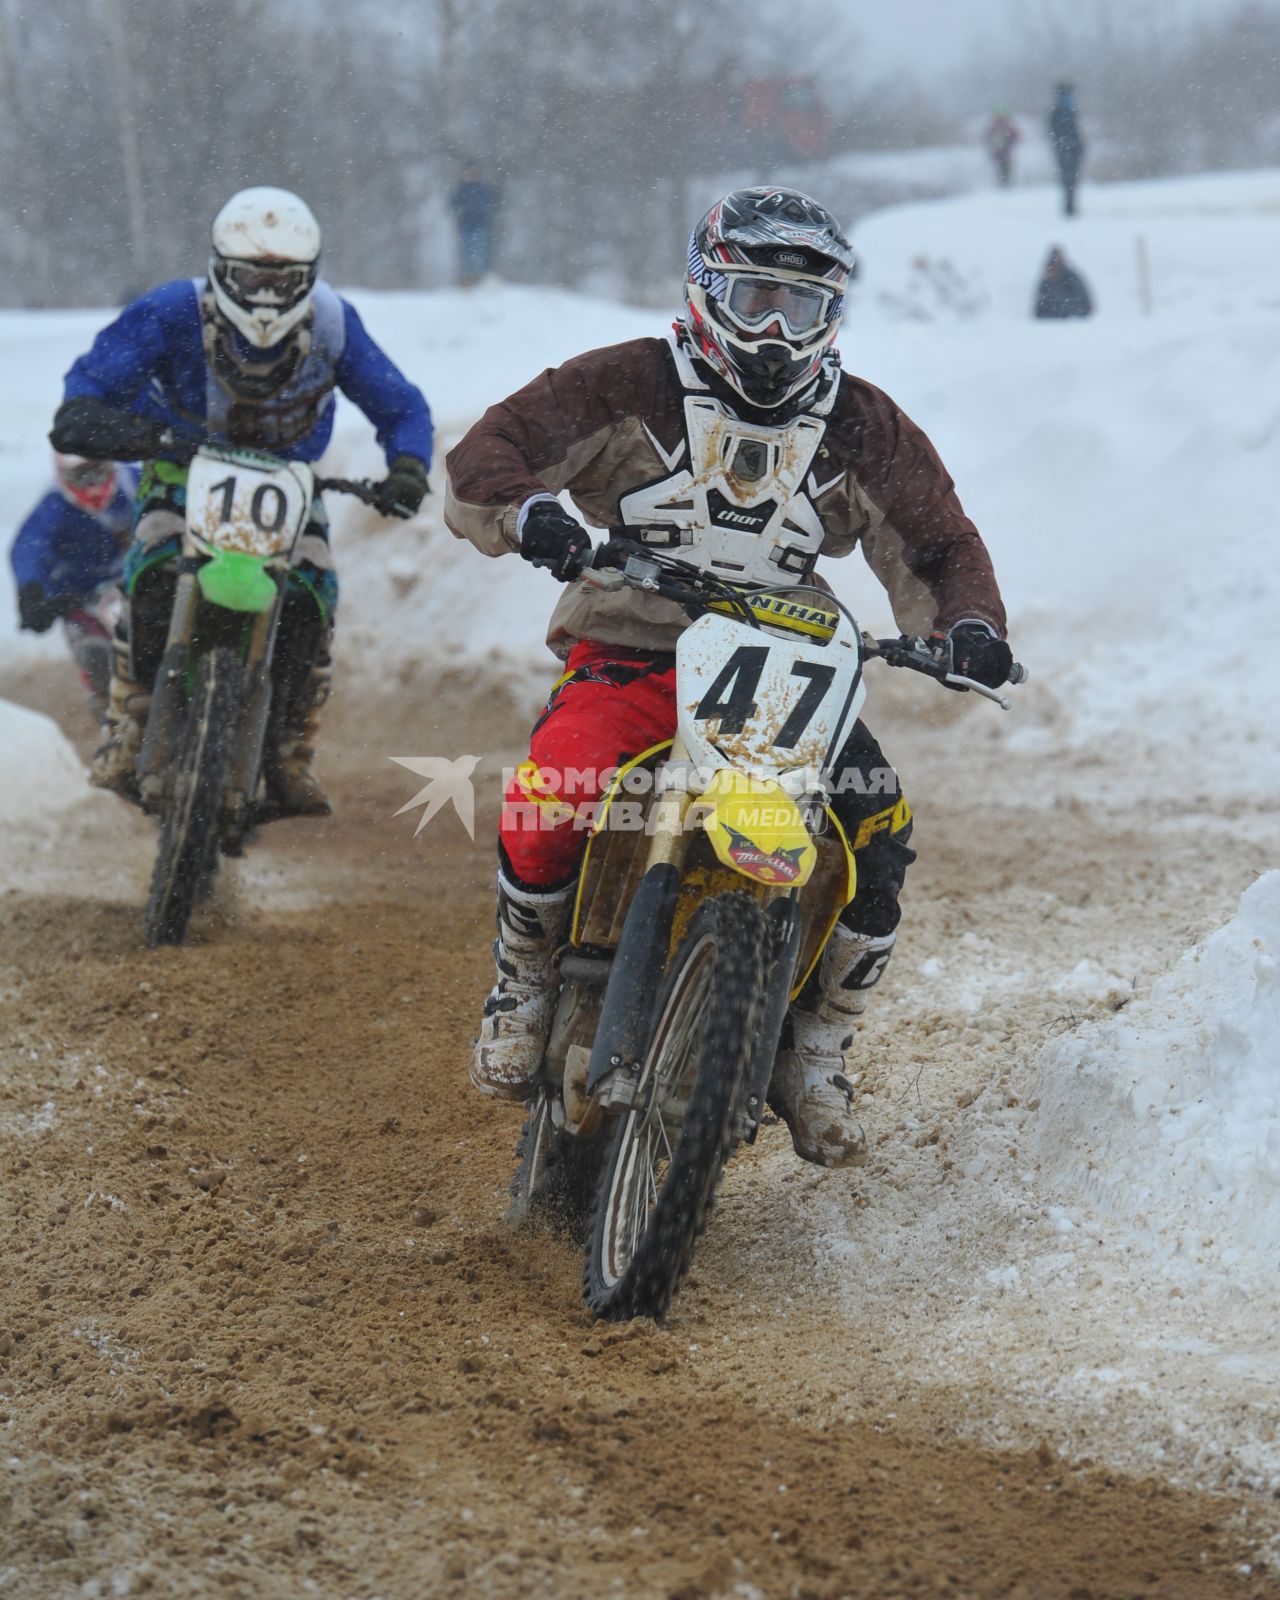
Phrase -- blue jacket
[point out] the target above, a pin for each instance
(69, 552)
(151, 361)
(473, 203)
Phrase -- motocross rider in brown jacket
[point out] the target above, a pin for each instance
(739, 445)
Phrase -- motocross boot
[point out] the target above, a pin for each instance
(517, 1013)
(292, 788)
(810, 1090)
(93, 651)
(122, 723)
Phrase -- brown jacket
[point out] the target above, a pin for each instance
(613, 422)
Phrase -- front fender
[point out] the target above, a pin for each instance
(756, 829)
(236, 581)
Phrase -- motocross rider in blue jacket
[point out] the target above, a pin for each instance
(251, 356)
(68, 552)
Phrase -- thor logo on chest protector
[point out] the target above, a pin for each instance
(751, 519)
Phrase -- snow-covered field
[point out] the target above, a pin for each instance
(1123, 472)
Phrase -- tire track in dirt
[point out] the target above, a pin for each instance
(266, 1332)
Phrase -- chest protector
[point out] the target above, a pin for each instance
(295, 393)
(733, 503)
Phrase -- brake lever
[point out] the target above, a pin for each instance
(920, 658)
(958, 682)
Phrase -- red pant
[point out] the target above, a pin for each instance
(611, 705)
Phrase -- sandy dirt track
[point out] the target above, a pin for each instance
(266, 1333)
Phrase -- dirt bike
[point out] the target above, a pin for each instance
(199, 769)
(701, 909)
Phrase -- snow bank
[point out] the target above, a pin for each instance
(43, 774)
(1164, 1120)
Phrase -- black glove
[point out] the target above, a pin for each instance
(976, 653)
(83, 426)
(400, 492)
(37, 610)
(552, 539)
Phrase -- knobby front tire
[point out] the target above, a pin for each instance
(188, 852)
(666, 1154)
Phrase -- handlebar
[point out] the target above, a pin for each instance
(617, 550)
(923, 655)
(184, 451)
(361, 488)
(654, 572)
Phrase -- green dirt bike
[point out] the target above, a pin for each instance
(706, 895)
(199, 769)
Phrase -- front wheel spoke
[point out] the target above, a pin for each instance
(659, 1105)
(678, 1053)
(639, 1197)
(648, 1171)
(651, 1170)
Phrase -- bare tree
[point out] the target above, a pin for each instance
(599, 119)
(128, 135)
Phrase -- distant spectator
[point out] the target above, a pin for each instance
(1062, 292)
(474, 204)
(1000, 138)
(1067, 143)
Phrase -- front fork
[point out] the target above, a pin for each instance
(255, 715)
(786, 933)
(622, 1035)
(169, 699)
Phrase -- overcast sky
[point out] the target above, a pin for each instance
(927, 38)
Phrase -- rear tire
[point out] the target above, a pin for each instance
(188, 852)
(654, 1197)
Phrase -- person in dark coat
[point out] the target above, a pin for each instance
(1067, 142)
(474, 204)
(1062, 292)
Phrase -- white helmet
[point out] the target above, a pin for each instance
(266, 246)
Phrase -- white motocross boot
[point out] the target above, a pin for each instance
(517, 1014)
(810, 1090)
(122, 724)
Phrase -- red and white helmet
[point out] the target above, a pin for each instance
(765, 291)
(266, 250)
(89, 484)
